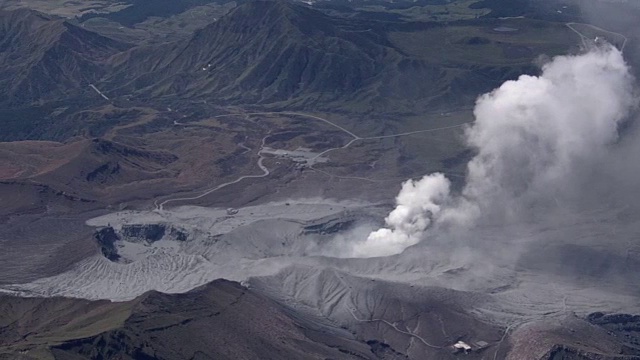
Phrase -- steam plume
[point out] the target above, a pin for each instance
(417, 204)
(532, 138)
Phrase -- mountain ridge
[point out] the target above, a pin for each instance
(48, 58)
(290, 51)
(221, 320)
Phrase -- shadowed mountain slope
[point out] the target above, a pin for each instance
(274, 54)
(220, 320)
(283, 54)
(265, 52)
(45, 58)
(85, 168)
(224, 320)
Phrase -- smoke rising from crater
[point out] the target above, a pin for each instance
(534, 138)
(417, 204)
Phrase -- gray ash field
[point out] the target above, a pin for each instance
(418, 303)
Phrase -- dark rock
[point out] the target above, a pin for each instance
(106, 238)
(102, 172)
(178, 235)
(330, 227)
(149, 232)
(385, 351)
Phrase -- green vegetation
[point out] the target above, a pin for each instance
(453, 11)
(275, 56)
(488, 42)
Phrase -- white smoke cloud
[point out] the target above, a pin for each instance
(417, 204)
(532, 136)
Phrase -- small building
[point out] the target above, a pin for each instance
(232, 211)
(461, 347)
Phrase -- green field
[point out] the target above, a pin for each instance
(455, 10)
(506, 42)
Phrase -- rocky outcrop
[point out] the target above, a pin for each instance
(106, 238)
(146, 234)
(151, 233)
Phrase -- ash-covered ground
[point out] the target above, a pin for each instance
(558, 268)
(527, 257)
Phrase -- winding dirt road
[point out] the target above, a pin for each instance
(584, 38)
(396, 328)
(265, 171)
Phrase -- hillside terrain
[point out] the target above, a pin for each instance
(373, 76)
(220, 320)
(272, 54)
(300, 58)
(180, 179)
(48, 59)
(225, 320)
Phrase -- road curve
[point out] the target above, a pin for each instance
(265, 172)
(396, 328)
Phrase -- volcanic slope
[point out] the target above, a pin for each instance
(289, 55)
(224, 320)
(45, 58)
(86, 168)
(220, 320)
(261, 52)
(424, 322)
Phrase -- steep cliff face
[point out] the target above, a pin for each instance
(151, 233)
(110, 240)
(107, 239)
